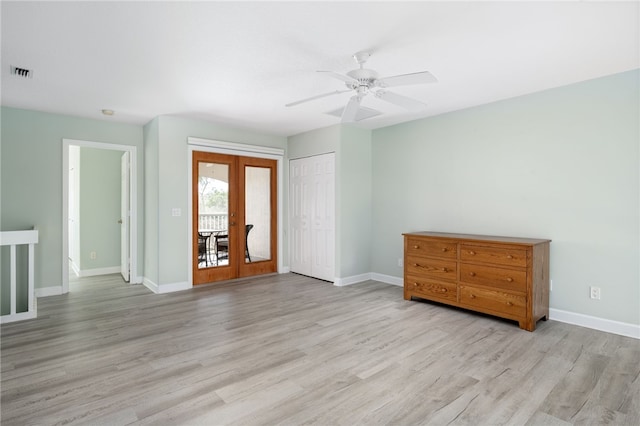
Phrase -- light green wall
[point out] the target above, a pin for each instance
(31, 172)
(173, 190)
(561, 164)
(354, 202)
(99, 208)
(314, 142)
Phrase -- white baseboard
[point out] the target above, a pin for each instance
(20, 316)
(171, 287)
(341, 282)
(98, 271)
(389, 279)
(150, 285)
(284, 270)
(609, 326)
(165, 288)
(49, 291)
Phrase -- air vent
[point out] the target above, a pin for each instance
(21, 72)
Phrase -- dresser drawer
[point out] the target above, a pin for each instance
(499, 256)
(431, 289)
(432, 248)
(508, 279)
(437, 269)
(513, 305)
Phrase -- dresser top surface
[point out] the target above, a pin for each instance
(472, 237)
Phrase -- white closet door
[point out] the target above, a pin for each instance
(299, 217)
(323, 220)
(312, 216)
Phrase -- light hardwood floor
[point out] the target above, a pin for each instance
(288, 349)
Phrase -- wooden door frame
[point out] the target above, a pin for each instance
(232, 148)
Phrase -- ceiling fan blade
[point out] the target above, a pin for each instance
(407, 79)
(335, 92)
(342, 77)
(403, 101)
(350, 111)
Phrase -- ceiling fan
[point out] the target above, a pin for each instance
(365, 81)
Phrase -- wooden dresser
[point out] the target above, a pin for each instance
(502, 276)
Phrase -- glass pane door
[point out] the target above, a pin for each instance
(258, 210)
(257, 213)
(213, 215)
(214, 233)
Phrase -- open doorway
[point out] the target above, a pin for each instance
(99, 229)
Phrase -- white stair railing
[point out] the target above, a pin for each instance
(14, 239)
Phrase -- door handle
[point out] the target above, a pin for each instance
(232, 224)
(120, 221)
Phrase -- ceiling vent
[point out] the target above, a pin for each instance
(21, 72)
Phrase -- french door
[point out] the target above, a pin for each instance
(234, 217)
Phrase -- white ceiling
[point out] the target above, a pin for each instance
(239, 63)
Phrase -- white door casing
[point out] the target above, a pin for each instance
(133, 211)
(74, 208)
(124, 215)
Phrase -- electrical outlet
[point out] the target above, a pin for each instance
(595, 292)
(93, 255)
(400, 262)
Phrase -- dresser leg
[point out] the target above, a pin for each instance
(527, 326)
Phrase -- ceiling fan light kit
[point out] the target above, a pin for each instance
(365, 81)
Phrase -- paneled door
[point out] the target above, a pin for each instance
(234, 217)
(312, 216)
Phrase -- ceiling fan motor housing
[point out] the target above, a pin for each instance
(366, 79)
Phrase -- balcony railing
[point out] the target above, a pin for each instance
(214, 221)
(14, 239)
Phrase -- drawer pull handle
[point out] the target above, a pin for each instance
(509, 304)
(444, 249)
(444, 269)
(472, 296)
(472, 252)
(510, 279)
(443, 290)
(509, 257)
(416, 247)
(473, 274)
